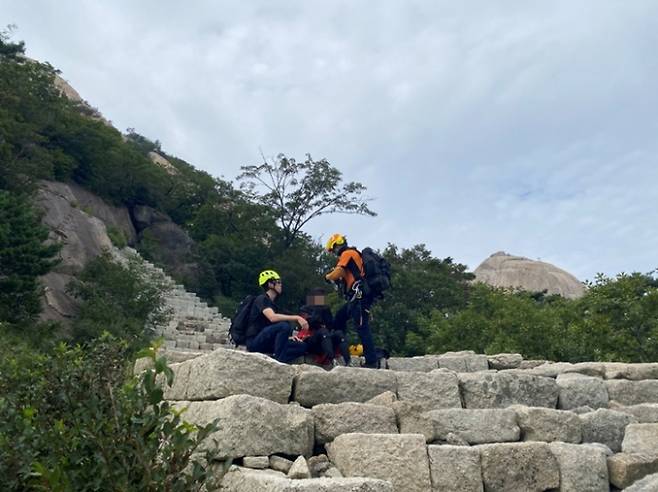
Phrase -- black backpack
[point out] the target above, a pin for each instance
(240, 321)
(378, 273)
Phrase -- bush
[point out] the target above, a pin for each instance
(118, 299)
(70, 420)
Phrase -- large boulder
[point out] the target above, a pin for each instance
(606, 427)
(504, 361)
(226, 372)
(239, 479)
(527, 466)
(252, 426)
(546, 424)
(412, 419)
(476, 426)
(465, 361)
(435, 389)
(633, 392)
(332, 420)
(646, 413)
(500, 390)
(641, 438)
(626, 468)
(400, 459)
(635, 372)
(582, 467)
(647, 484)
(455, 468)
(516, 272)
(578, 390)
(342, 384)
(425, 363)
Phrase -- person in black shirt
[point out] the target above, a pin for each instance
(269, 332)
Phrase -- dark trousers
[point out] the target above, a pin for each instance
(326, 342)
(272, 339)
(357, 311)
(275, 339)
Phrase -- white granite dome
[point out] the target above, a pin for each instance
(505, 270)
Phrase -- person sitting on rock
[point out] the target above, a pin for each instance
(270, 332)
(322, 340)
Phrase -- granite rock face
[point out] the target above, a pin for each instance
(500, 390)
(432, 390)
(641, 438)
(332, 420)
(582, 468)
(455, 468)
(224, 372)
(606, 427)
(425, 363)
(399, 459)
(245, 480)
(476, 426)
(252, 426)
(626, 469)
(578, 390)
(508, 271)
(342, 384)
(528, 466)
(546, 424)
(465, 361)
(69, 216)
(633, 392)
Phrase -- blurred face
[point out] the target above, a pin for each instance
(316, 300)
(277, 285)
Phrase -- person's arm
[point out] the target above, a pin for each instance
(336, 274)
(276, 317)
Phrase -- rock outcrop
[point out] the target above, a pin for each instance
(516, 272)
(326, 425)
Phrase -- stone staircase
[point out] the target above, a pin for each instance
(193, 327)
(457, 421)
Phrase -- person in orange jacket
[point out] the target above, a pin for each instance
(349, 274)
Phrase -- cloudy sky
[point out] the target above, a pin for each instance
(477, 126)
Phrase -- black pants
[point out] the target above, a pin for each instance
(326, 342)
(358, 312)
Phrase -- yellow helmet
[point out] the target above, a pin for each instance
(335, 240)
(267, 275)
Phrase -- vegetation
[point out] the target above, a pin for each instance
(70, 419)
(23, 258)
(298, 192)
(116, 299)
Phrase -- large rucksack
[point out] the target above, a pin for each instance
(378, 273)
(240, 321)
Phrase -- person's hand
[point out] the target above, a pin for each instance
(296, 338)
(302, 322)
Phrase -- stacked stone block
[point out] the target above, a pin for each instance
(422, 426)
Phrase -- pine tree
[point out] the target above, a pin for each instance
(23, 258)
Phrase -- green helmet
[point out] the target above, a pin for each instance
(267, 275)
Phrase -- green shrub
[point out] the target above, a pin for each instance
(71, 420)
(117, 237)
(118, 299)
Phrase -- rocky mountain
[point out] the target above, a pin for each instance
(504, 270)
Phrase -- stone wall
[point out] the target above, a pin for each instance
(430, 423)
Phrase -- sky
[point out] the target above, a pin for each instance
(477, 126)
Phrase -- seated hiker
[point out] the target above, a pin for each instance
(268, 331)
(321, 339)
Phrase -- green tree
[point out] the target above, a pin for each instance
(420, 284)
(23, 258)
(298, 192)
